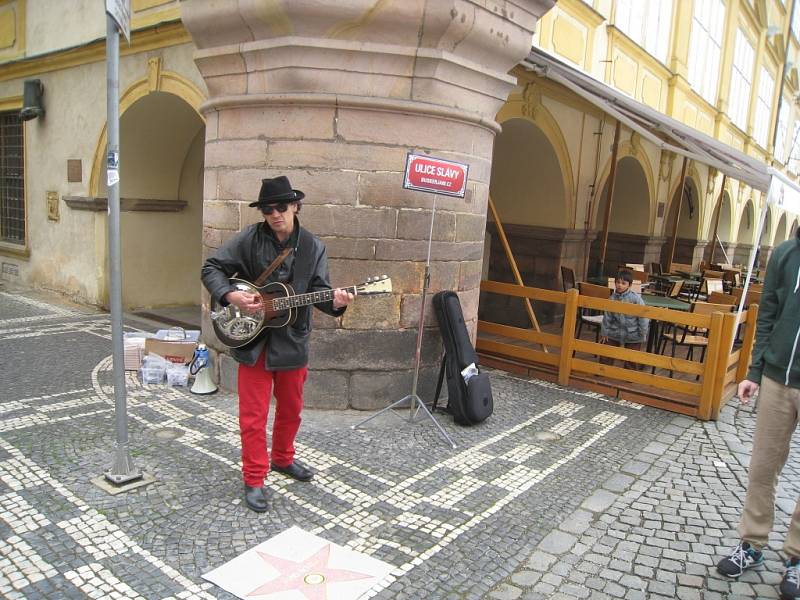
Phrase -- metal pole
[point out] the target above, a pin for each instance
(416, 403)
(425, 284)
(122, 469)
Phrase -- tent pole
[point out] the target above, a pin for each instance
(716, 221)
(677, 214)
(612, 176)
(517, 277)
(750, 264)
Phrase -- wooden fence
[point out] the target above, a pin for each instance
(561, 357)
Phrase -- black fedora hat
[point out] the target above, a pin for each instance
(277, 189)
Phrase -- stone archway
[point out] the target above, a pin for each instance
(722, 244)
(535, 218)
(780, 231)
(629, 221)
(745, 233)
(161, 178)
(687, 248)
(522, 154)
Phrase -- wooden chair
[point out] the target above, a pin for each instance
(730, 279)
(680, 268)
(689, 336)
(674, 290)
(720, 298)
(753, 296)
(567, 283)
(567, 278)
(711, 274)
(709, 285)
(589, 317)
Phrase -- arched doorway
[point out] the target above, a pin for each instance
(686, 246)
(793, 230)
(628, 223)
(721, 245)
(745, 235)
(780, 231)
(523, 155)
(162, 141)
(530, 191)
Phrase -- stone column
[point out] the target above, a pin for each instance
(334, 95)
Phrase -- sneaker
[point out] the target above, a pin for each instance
(741, 558)
(790, 584)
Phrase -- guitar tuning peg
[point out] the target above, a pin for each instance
(386, 277)
(369, 279)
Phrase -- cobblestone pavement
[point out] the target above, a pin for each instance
(560, 494)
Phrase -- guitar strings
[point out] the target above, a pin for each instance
(270, 305)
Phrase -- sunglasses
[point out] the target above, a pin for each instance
(281, 208)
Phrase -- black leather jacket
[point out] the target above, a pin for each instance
(247, 255)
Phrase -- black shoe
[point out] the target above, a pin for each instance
(295, 471)
(790, 585)
(741, 558)
(255, 498)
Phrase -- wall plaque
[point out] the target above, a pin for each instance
(52, 206)
(74, 170)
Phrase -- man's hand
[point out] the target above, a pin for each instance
(244, 300)
(341, 298)
(746, 390)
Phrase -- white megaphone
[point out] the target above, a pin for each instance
(200, 367)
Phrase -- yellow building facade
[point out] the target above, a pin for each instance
(714, 65)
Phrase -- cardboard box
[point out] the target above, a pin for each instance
(133, 346)
(180, 352)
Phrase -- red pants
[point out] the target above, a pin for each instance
(255, 390)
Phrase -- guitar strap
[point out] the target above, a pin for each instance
(273, 265)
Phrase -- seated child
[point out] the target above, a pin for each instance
(617, 329)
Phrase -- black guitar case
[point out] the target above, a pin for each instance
(470, 401)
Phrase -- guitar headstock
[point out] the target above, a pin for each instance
(375, 285)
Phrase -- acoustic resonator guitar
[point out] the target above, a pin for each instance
(236, 328)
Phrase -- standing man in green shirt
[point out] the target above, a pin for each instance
(775, 368)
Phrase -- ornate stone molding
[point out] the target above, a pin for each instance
(443, 53)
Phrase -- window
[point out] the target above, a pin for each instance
(783, 127)
(705, 47)
(796, 21)
(766, 85)
(12, 180)
(793, 160)
(646, 23)
(741, 81)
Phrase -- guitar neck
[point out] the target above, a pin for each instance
(306, 299)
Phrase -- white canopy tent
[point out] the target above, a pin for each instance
(672, 135)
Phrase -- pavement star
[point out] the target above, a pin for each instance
(310, 577)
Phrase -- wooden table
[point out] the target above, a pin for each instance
(655, 326)
(665, 302)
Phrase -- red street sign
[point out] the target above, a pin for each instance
(428, 174)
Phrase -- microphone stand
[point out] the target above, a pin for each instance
(413, 397)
